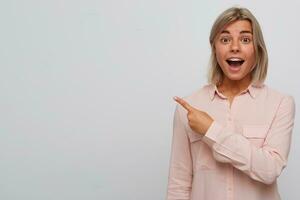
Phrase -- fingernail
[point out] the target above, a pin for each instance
(175, 98)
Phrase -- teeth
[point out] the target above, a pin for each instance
(235, 59)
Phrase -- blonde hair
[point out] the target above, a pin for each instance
(259, 70)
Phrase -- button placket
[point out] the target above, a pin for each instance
(229, 117)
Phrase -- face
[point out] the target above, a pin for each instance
(235, 50)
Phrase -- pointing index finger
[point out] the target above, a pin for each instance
(183, 103)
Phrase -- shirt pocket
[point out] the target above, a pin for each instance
(256, 134)
(192, 135)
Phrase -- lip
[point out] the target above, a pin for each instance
(233, 57)
(234, 69)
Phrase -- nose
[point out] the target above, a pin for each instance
(235, 46)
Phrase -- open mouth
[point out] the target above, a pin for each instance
(235, 62)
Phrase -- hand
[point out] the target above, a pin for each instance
(199, 121)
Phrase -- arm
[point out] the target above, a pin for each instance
(264, 163)
(180, 172)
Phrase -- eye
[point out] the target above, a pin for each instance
(225, 40)
(246, 40)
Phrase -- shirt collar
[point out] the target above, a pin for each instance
(252, 90)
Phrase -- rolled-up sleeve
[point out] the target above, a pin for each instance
(264, 163)
(180, 171)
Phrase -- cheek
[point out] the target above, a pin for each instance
(250, 53)
(251, 58)
(220, 54)
(219, 59)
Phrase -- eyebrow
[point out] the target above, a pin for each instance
(225, 31)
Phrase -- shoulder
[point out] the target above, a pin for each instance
(282, 99)
(201, 92)
(273, 92)
(198, 97)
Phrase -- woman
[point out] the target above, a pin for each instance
(231, 138)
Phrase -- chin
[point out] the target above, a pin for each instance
(235, 77)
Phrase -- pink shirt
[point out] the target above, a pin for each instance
(243, 152)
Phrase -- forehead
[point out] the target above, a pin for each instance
(239, 26)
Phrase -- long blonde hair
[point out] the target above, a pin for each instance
(259, 71)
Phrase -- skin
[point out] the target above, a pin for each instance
(235, 40)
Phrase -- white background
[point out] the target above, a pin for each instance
(86, 91)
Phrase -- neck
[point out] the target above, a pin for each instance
(234, 86)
